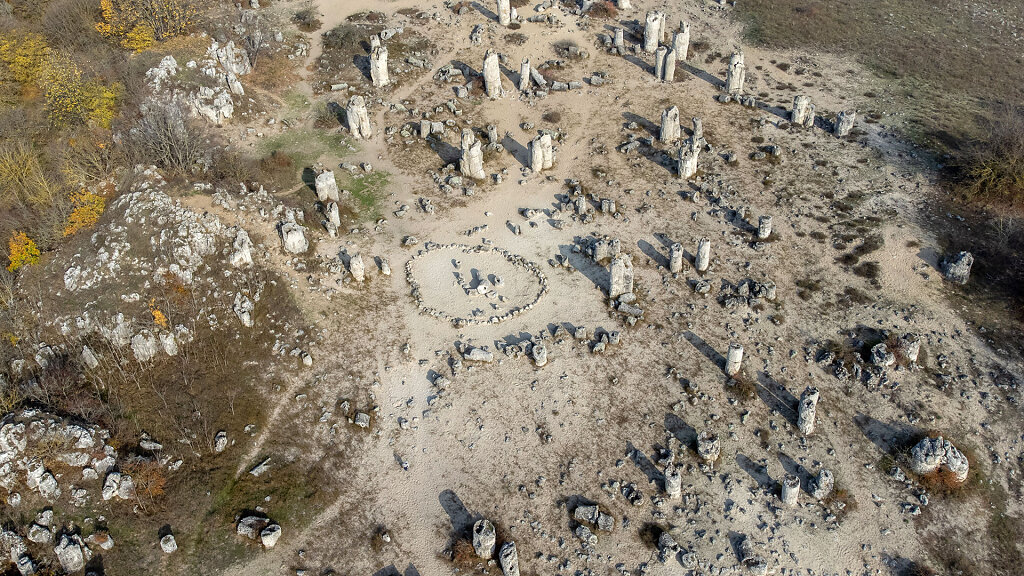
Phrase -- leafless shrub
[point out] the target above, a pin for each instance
(167, 137)
(992, 167)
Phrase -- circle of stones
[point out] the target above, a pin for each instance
(458, 321)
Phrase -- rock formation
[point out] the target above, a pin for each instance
(803, 112)
(524, 75)
(484, 538)
(673, 483)
(542, 155)
(508, 557)
(681, 41)
(492, 75)
(670, 129)
(958, 268)
(790, 490)
(806, 410)
(703, 258)
(687, 164)
(764, 227)
(931, 453)
(472, 162)
(621, 276)
(844, 122)
(504, 12)
(652, 30)
(822, 484)
(736, 75)
(379, 66)
(326, 186)
(357, 118)
(675, 258)
(733, 359)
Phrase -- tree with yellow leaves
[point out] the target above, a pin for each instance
(26, 56)
(70, 100)
(138, 24)
(88, 209)
(22, 251)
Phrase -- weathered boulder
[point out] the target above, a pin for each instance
(957, 269)
(168, 544)
(484, 538)
(931, 453)
(508, 557)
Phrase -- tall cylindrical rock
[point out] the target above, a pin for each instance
(379, 66)
(620, 41)
(790, 490)
(733, 359)
(806, 410)
(652, 35)
(492, 75)
(536, 155)
(688, 160)
(659, 62)
(621, 276)
(698, 131)
(844, 122)
(547, 150)
(703, 258)
(736, 75)
(668, 72)
(358, 118)
(357, 268)
(764, 227)
(675, 258)
(803, 111)
(670, 129)
(472, 163)
(681, 41)
(673, 483)
(504, 12)
(524, 75)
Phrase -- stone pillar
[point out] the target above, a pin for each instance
(673, 483)
(508, 557)
(844, 122)
(379, 66)
(662, 28)
(547, 150)
(803, 111)
(625, 5)
(659, 62)
(675, 258)
(620, 41)
(326, 186)
(822, 484)
(698, 131)
(703, 258)
(681, 41)
(357, 268)
(484, 538)
(652, 35)
(621, 276)
(524, 75)
(333, 214)
(688, 159)
(736, 75)
(504, 12)
(375, 42)
(668, 73)
(790, 490)
(764, 227)
(708, 447)
(910, 346)
(807, 408)
(492, 75)
(733, 359)
(472, 163)
(670, 130)
(536, 155)
(357, 118)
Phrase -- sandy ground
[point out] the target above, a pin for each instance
(521, 445)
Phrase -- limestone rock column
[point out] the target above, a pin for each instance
(492, 75)
(703, 258)
(698, 131)
(803, 111)
(379, 66)
(357, 118)
(733, 359)
(736, 75)
(357, 268)
(807, 410)
(620, 41)
(844, 122)
(681, 41)
(484, 538)
(652, 34)
(668, 71)
(670, 129)
(764, 227)
(659, 62)
(621, 276)
(790, 490)
(688, 159)
(472, 163)
(508, 557)
(524, 75)
(673, 483)
(504, 12)
(675, 258)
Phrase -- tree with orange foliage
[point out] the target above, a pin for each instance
(22, 251)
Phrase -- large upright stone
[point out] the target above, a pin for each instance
(844, 123)
(659, 62)
(736, 75)
(930, 453)
(472, 163)
(293, 238)
(358, 118)
(822, 484)
(652, 30)
(668, 72)
(326, 186)
(803, 111)
(673, 483)
(790, 490)
(484, 538)
(806, 411)
(675, 258)
(670, 130)
(703, 258)
(524, 75)
(542, 155)
(620, 41)
(492, 75)
(688, 155)
(733, 359)
(379, 66)
(681, 41)
(621, 276)
(504, 12)
(357, 267)
(764, 227)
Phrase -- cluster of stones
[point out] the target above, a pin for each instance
(485, 540)
(259, 528)
(932, 453)
(514, 259)
(907, 346)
